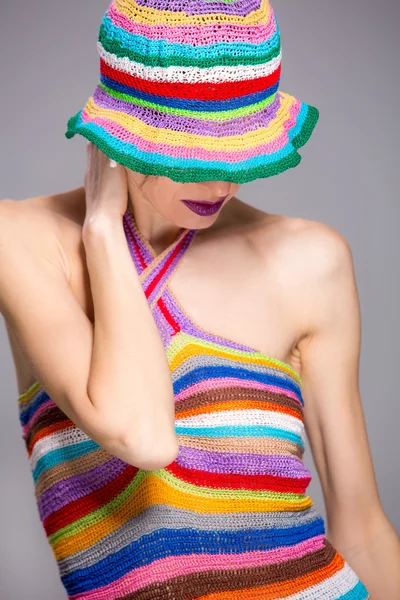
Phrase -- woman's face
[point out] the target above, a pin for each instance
(168, 197)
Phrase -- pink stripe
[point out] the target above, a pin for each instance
(196, 35)
(224, 382)
(172, 566)
(45, 406)
(117, 131)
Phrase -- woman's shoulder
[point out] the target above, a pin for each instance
(49, 225)
(293, 239)
(51, 209)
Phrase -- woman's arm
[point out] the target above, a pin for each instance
(112, 380)
(357, 524)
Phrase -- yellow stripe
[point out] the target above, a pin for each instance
(249, 140)
(27, 395)
(144, 15)
(154, 490)
(184, 346)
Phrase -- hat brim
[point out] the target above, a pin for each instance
(267, 150)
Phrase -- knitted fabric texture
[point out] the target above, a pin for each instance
(190, 91)
(229, 518)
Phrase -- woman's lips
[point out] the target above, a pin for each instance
(204, 208)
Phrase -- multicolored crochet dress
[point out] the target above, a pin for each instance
(229, 518)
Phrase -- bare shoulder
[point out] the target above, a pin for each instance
(312, 254)
(302, 246)
(40, 244)
(313, 264)
(305, 247)
(313, 247)
(307, 263)
(43, 225)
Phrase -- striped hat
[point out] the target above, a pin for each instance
(190, 90)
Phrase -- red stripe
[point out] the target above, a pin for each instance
(161, 304)
(83, 506)
(48, 430)
(136, 248)
(192, 91)
(233, 481)
(168, 316)
(167, 263)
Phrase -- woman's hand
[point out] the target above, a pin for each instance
(106, 186)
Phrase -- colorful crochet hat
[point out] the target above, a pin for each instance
(190, 90)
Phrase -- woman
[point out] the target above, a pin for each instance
(165, 433)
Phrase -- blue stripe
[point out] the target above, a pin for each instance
(34, 404)
(358, 592)
(60, 455)
(208, 372)
(179, 542)
(188, 163)
(301, 117)
(240, 431)
(194, 105)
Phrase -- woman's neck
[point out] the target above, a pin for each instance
(155, 228)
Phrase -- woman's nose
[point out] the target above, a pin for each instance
(219, 189)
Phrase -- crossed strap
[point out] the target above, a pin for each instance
(155, 271)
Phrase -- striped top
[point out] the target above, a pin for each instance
(230, 515)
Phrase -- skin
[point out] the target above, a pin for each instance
(298, 278)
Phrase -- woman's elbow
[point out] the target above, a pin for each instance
(140, 445)
(143, 443)
(152, 455)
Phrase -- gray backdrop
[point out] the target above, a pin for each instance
(340, 56)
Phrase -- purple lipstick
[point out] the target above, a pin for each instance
(204, 208)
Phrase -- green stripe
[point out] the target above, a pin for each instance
(308, 126)
(219, 116)
(185, 339)
(219, 494)
(106, 510)
(114, 46)
(192, 175)
(100, 513)
(21, 397)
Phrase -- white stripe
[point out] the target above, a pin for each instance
(339, 584)
(173, 73)
(245, 417)
(59, 439)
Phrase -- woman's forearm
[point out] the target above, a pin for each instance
(129, 383)
(376, 559)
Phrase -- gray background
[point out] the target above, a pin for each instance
(339, 56)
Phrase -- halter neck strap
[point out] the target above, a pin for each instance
(155, 270)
